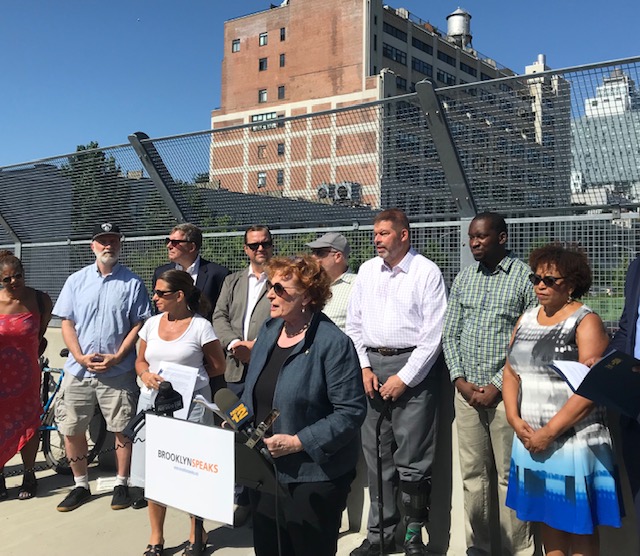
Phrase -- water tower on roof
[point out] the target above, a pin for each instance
(459, 28)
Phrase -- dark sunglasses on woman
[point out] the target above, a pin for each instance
(9, 279)
(548, 281)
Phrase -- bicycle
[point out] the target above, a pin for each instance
(52, 440)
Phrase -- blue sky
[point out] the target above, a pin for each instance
(75, 71)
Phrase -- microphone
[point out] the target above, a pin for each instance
(235, 412)
(168, 400)
(238, 416)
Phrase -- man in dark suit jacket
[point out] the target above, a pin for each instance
(243, 306)
(626, 339)
(183, 246)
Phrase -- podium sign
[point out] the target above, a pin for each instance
(190, 467)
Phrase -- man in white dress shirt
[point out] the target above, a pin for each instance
(332, 252)
(395, 320)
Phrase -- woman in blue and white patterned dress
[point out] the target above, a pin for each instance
(563, 473)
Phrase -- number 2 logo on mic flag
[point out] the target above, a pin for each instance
(239, 413)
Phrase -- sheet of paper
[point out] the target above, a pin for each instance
(183, 380)
(572, 371)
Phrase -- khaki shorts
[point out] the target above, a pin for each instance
(117, 397)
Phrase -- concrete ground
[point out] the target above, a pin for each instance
(30, 527)
(34, 527)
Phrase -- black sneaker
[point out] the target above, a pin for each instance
(414, 547)
(74, 499)
(121, 498)
(368, 548)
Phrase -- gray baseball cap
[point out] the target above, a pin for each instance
(332, 240)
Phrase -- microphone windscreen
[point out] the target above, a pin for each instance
(233, 408)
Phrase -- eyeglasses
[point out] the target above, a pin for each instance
(263, 244)
(278, 288)
(322, 252)
(176, 242)
(9, 279)
(548, 281)
(163, 293)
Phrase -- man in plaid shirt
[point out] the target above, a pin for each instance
(485, 302)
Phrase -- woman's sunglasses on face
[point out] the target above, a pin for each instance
(163, 293)
(548, 281)
(9, 279)
(278, 288)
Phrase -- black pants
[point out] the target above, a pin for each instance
(310, 518)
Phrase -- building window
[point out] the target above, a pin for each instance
(283, 33)
(485, 77)
(421, 66)
(401, 83)
(445, 77)
(262, 64)
(263, 39)
(262, 149)
(262, 179)
(235, 45)
(280, 177)
(395, 54)
(282, 60)
(446, 58)
(394, 31)
(280, 149)
(280, 92)
(417, 43)
(468, 69)
(375, 43)
(262, 95)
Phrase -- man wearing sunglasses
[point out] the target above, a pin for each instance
(240, 311)
(183, 247)
(627, 339)
(332, 252)
(102, 308)
(485, 302)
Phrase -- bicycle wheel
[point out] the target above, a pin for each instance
(53, 442)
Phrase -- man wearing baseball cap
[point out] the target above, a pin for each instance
(332, 252)
(102, 307)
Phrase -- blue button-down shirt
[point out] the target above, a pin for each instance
(104, 310)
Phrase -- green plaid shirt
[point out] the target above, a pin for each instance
(483, 309)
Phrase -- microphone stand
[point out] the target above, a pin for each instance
(383, 414)
(165, 394)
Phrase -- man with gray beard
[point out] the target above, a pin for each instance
(102, 308)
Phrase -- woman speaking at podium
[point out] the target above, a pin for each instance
(177, 335)
(306, 367)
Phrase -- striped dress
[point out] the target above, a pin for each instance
(573, 486)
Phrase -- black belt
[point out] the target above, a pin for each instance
(391, 351)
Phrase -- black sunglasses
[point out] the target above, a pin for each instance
(278, 288)
(548, 281)
(9, 279)
(176, 242)
(162, 293)
(322, 252)
(263, 244)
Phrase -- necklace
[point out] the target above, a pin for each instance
(299, 331)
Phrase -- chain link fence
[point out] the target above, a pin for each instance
(555, 151)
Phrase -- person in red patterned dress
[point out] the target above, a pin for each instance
(24, 316)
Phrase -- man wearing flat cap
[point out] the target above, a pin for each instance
(332, 252)
(102, 307)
